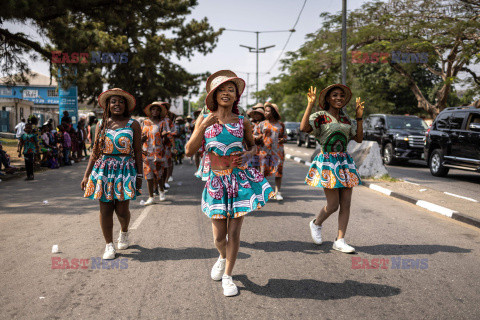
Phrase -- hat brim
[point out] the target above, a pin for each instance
(158, 103)
(102, 98)
(229, 76)
(275, 107)
(323, 94)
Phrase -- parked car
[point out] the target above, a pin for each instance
(401, 138)
(453, 141)
(292, 129)
(306, 138)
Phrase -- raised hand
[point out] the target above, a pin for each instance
(210, 120)
(312, 94)
(359, 108)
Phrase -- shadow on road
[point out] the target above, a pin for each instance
(265, 213)
(318, 290)
(399, 249)
(163, 254)
(290, 246)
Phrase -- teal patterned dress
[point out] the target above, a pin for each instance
(333, 167)
(114, 174)
(234, 192)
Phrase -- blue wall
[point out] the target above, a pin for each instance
(38, 95)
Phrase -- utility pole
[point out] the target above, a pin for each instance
(344, 42)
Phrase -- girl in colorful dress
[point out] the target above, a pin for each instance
(169, 144)
(154, 160)
(180, 138)
(114, 173)
(272, 135)
(257, 114)
(232, 189)
(333, 169)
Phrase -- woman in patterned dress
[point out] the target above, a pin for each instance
(154, 159)
(169, 143)
(333, 169)
(232, 189)
(114, 173)
(272, 135)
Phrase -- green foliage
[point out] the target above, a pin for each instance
(447, 33)
(150, 32)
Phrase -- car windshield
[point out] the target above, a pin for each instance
(292, 125)
(407, 123)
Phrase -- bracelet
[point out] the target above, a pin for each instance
(359, 119)
(139, 175)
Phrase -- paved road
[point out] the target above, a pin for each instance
(280, 273)
(464, 183)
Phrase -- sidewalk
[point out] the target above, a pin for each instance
(461, 209)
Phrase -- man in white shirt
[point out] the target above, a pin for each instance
(20, 128)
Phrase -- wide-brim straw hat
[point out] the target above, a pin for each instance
(274, 106)
(219, 78)
(259, 106)
(156, 103)
(179, 118)
(189, 117)
(323, 94)
(102, 98)
(261, 110)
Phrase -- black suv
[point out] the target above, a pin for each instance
(400, 138)
(453, 141)
(307, 138)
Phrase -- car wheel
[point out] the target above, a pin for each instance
(308, 143)
(435, 164)
(388, 157)
(299, 141)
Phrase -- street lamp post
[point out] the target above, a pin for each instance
(258, 50)
(344, 42)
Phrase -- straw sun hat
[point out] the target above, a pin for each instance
(274, 106)
(156, 103)
(323, 94)
(219, 78)
(130, 100)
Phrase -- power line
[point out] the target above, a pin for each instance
(289, 36)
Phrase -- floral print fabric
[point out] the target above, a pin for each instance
(271, 152)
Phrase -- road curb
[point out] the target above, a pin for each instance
(455, 215)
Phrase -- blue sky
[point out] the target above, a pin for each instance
(254, 15)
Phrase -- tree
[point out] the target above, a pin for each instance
(445, 30)
(150, 33)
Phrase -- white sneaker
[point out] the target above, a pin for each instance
(278, 196)
(316, 232)
(122, 240)
(218, 269)
(149, 201)
(170, 179)
(229, 288)
(109, 253)
(167, 186)
(340, 245)
(162, 196)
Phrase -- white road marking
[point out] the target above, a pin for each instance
(411, 182)
(461, 197)
(308, 164)
(380, 189)
(306, 153)
(435, 208)
(142, 216)
(421, 190)
(298, 159)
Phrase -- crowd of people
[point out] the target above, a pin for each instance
(53, 146)
(234, 156)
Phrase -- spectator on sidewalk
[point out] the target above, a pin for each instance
(82, 139)
(20, 129)
(29, 143)
(67, 144)
(66, 119)
(5, 161)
